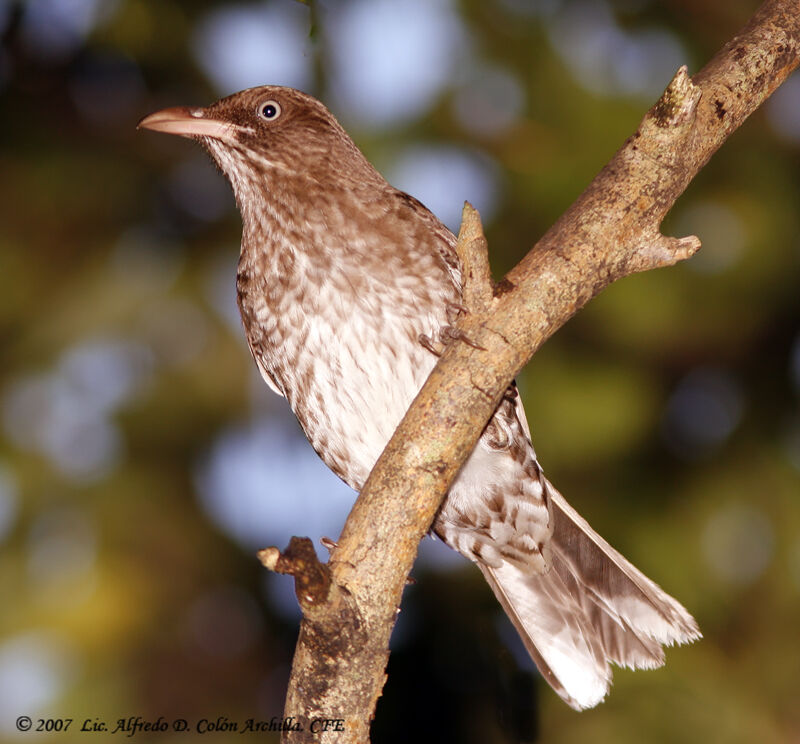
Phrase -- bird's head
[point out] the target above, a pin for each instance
(263, 135)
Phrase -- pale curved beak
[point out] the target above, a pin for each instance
(188, 122)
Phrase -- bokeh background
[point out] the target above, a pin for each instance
(142, 462)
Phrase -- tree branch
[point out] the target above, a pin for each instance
(612, 230)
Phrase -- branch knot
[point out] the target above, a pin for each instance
(678, 102)
(312, 578)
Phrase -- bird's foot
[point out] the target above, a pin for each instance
(447, 334)
(450, 333)
(454, 311)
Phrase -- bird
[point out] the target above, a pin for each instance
(342, 283)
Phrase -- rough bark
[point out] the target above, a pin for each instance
(612, 230)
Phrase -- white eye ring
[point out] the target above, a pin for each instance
(269, 110)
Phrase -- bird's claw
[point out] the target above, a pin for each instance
(329, 544)
(429, 344)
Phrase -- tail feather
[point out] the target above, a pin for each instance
(591, 608)
(553, 630)
(614, 583)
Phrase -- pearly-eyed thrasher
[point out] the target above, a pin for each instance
(341, 280)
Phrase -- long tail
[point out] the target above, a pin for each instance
(590, 608)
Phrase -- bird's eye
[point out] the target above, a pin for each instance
(270, 110)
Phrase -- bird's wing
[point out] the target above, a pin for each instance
(445, 244)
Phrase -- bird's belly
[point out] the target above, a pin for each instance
(351, 383)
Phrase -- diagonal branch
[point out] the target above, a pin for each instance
(612, 230)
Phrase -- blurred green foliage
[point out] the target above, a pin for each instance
(667, 410)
